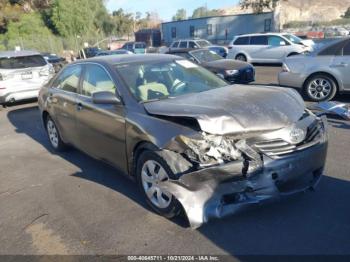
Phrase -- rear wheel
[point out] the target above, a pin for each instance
(241, 57)
(320, 87)
(152, 170)
(54, 135)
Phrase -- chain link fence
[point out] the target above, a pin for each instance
(53, 44)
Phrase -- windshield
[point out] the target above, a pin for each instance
(203, 43)
(205, 56)
(159, 80)
(294, 39)
(22, 62)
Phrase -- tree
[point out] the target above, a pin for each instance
(76, 17)
(203, 11)
(123, 22)
(180, 15)
(259, 6)
(347, 13)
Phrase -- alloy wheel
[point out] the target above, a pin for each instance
(152, 174)
(52, 132)
(319, 88)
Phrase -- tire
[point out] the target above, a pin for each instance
(172, 206)
(241, 57)
(320, 87)
(54, 136)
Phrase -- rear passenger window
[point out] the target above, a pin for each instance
(68, 80)
(242, 41)
(183, 44)
(96, 79)
(333, 50)
(258, 40)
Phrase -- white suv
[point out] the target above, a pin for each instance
(22, 74)
(267, 48)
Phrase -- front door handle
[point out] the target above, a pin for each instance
(79, 106)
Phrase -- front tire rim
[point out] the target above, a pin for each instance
(241, 58)
(152, 174)
(52, 132)
(319, 88)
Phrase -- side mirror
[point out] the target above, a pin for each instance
(105, 97)
(282, 43)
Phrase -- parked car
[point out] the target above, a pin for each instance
(135, 47)
(267, 48)
(114, 52)
(189, 140)
(197, 43)
(220, 50)
(89, 52)
(56, 61)
(231, 70)
(319, 75)
(22, 74)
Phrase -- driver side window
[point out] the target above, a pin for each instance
(276, 41)
(96, 79)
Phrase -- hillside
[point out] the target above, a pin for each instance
(304, 10)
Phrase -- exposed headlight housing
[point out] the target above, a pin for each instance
(231, 72)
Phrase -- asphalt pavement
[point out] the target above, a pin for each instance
(70, 203)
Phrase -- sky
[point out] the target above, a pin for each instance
(166, 8)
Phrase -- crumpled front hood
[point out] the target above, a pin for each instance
(236, 109)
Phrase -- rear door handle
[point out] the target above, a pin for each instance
(79, 106)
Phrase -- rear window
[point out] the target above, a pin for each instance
(22, 62)
(242, 41)
(258, 40)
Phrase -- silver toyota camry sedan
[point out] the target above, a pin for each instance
(319, 75)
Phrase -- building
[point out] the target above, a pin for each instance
(152, 37)
(218, 29)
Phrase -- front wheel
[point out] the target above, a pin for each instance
(241, 57)
(320, 87)
(151, 171)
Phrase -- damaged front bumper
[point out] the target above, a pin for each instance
(222, 190)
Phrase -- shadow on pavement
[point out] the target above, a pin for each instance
(91, 169)
(311, 223)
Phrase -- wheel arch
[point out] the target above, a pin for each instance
(139, 147)
(338, 87)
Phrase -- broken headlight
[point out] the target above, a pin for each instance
(210, 149)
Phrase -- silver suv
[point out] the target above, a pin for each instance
(22, 74)
(267, 48)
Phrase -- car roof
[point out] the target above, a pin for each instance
(18, 53)
(185, 50)
(262, 34)
(190, 39)
(120, 59)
